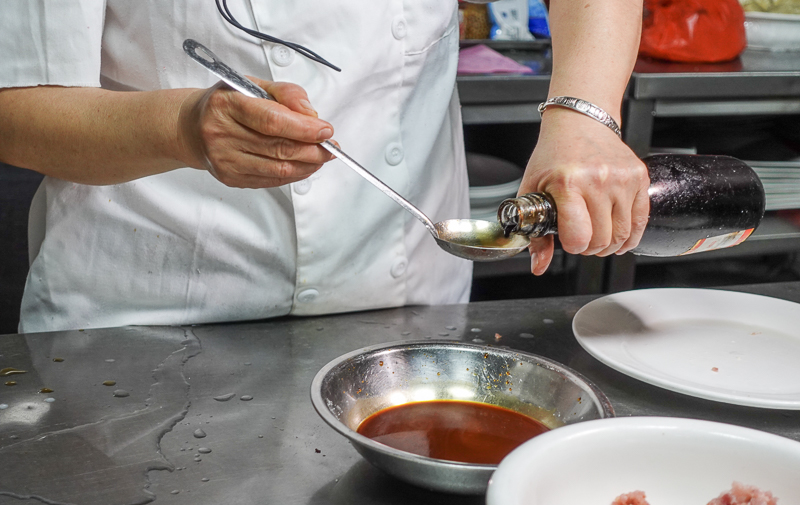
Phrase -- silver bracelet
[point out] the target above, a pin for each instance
(584, 107)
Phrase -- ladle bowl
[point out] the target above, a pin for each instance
(478, 240)
(470, 239)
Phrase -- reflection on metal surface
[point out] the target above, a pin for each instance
(101, 460)
(29, 413)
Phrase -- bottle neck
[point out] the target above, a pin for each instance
(533, 214)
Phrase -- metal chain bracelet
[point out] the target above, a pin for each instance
(584, 107)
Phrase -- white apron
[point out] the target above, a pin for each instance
(181, 248)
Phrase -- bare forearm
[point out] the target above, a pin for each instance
(595, 43)
(91, 135)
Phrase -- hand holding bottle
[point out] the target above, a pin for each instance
(697, 204)
(598, 184)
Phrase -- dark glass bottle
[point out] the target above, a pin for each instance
(697, 203)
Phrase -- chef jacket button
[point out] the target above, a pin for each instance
(307, 295)
(394, 153)
(281, 55)
(399, 28)
(399, 267)
(302, 187)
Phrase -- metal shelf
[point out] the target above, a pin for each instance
(756, 83)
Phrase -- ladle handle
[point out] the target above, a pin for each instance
(363, 172)
(242, 84)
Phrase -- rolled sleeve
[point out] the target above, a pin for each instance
(54, 42)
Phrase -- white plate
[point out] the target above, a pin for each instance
(730, 347)
(674, 461)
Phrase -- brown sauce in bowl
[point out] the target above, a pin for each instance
(454, 430)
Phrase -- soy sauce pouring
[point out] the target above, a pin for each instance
(472, 239)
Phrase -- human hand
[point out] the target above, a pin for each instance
(599, 186)
(250, 142)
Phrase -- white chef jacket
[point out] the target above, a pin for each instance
(182, 248)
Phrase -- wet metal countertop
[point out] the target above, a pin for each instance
(221, 413)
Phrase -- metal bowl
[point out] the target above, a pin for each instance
(353, 386)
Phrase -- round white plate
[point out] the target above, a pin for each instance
(726, 346)
(673, 461)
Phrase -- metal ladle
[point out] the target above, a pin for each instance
(471, 239)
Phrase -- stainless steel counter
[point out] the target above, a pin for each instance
(178, 426)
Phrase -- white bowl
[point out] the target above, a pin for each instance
(772, 31)
(674, 461)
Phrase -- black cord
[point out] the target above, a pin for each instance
(308, 53)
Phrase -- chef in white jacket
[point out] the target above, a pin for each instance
(146, 158)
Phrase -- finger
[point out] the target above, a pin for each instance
(274, 119)
(541, 250)
(230, 165)
(574, 222)
(600, 213)
(291, 150)
(291, 95)
(248, 181)
(281, 148)
(259, 174)
(621, 228)
(639, 216)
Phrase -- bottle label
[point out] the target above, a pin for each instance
(720, 241)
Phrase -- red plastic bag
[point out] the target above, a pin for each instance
(693, 30)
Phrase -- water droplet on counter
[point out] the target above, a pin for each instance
(547, 321)
(203, 450)
(10, 371)
(198, 459)
(247, 363)
(11, 383)
(478, 340)
(45, 390)
(49, 400)
(110, 360)
(443, 334)
(204, 479)
(246, 398)
(58, 360)
(406, 333)
(225, 397)
(320, 328)
(121, 393)
(198, 433)
(3, 406)
(525, 335)
(451, 328)
(475, 330)
(109, 383)
(174, 491)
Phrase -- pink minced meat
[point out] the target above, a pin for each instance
(744, 495)
(634, 498)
